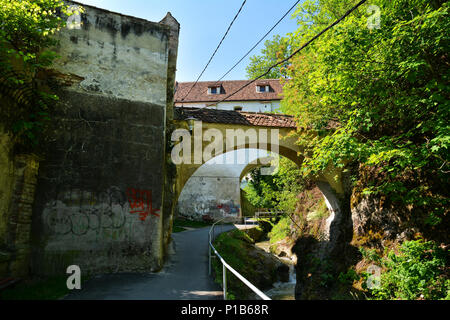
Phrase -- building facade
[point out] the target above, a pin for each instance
(260, 96)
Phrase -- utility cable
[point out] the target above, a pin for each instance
(215, 51)
(295, 52)
(263, 37)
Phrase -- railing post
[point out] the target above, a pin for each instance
(209, 254)
(224, 272)
(225, 266)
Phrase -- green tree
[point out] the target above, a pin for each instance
(279, 190)
(261, 190)
(377, 97)
(27, 29)
(274, 50)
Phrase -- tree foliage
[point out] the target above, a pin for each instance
(418, 271)
(27, 29)
(377, 97)
(279, 190)
(274, 50)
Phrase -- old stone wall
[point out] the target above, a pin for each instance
(213, 191)
(210, 197)
(17, 186)
(6, 181)
(99, 200)
(169, 194)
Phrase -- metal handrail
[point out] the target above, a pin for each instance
(268, 214)
(226, 266)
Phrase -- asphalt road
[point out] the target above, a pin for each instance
(185, 276)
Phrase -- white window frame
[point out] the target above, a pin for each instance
(217, 90)
(266, 89)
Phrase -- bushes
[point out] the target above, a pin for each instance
(280, 230)
(419, 271)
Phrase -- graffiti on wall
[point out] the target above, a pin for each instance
(63, 221)
(141, 203)
(98, 216)
(201, 208)
(208, 206)
(77, 212)
(229, 208)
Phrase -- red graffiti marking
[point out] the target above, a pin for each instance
(141, 203)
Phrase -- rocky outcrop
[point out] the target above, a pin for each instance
(283, 249)
(322, 243)
(371, 216)
(268, 268)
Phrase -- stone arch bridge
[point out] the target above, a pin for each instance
(234, 130)
(206, 127)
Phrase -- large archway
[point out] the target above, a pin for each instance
(211, 133)
(210, 140)
(213, 190)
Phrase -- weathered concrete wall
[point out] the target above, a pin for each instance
(214, 189)
(17, 186)
(100, 169)
(216, 197)
(100, 189)
(117, 55)
(6, 190)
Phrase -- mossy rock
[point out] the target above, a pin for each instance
(256, 234)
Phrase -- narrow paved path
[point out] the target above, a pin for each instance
(185, 276)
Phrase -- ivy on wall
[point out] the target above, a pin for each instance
(27, 30)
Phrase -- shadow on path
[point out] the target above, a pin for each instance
(185, 276)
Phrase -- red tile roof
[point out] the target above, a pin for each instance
(200, 92)
(236, 117)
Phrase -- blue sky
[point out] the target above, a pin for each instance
(203, 24)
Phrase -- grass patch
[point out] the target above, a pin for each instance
(231, 246)
(237, 248)
(281, 230)
(176, 229)
(43, 289)
(180, 224)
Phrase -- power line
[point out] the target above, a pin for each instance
(295, 52)
(215, 51)
(268, 32)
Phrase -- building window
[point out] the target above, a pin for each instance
(262, 89)
(238, 108)
(214, 90)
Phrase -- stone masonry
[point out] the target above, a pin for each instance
(99, 199)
